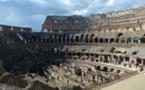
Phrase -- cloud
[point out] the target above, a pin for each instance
(32, 13)
(3, 0)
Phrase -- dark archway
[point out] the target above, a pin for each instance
(139, 60)
(77, 39)
(101, 40)
(91, 38)
(67, 39)
(72, 39)
(63, 39)
(86, 38)
(96, 40)
(142, 40)
(98, 68)
(106, 40)
(34, 38)
(59, 39)
(105, 69)
(111, 40)
(122, 40)
(129, 40)
(136, 40)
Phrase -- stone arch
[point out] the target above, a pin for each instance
(118, 71)
(138, 60)
(111, 40)
(77, 39)
(122, 40)
(55, 38)
(91, 38)
(129, 40)
(101, 40)
(142, 40)
(67, 38)
(72, 39)
(98, 67)
(51, 31)
(63, 38)
(51, 38)
(112, 69)
(45, 30)
(34, 38)
(106, 40)
(96, 40)
(126, 58)
(105, 69)
(59, 39)
(86, 38)
(82, 37)
(136, 40)
(52, 51)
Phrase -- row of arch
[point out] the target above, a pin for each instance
(77, 39)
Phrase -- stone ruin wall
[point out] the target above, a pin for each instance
(125, 20)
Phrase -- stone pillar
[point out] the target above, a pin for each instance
(108, 40)
(141, 61)
(138, 41)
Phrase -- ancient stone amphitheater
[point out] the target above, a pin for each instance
(74, 52)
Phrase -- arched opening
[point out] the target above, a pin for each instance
(98, 68)
(34, 38)
(59, 39)
(63, 38)
(106, 40)
(118, 71)
(45, 30)
(86, 39)
(52, 51)
(67, 39)
(136, 40)
(96, 40)
(111, 70)
(139, 60)
(126, 58)
(72, 39)
(128, 40)
(122, 40)
(55, 38)
(51, 31)
(77, 39)
(142, 40)
(101, 40)
(115, 59)
(43, 40)
(111, 40)
(82, 37)
(51, 38)
(48, 52)
(121, 60)
(60, 31)
(105, 69)
(91, 38)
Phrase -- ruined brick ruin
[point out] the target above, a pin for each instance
(74, 51)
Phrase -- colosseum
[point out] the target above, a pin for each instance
(100, 52)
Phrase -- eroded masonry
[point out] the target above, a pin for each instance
(74, 52)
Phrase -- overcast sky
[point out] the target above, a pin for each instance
(32, 13)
